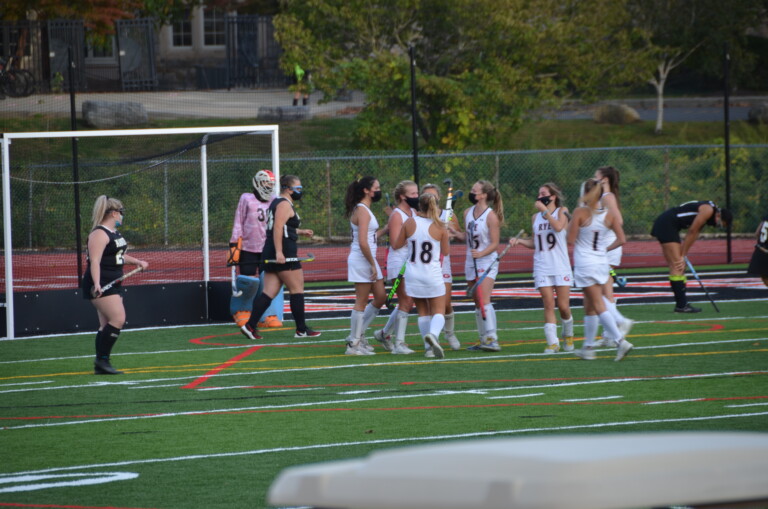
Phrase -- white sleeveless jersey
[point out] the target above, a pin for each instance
(396, 257)
(423, 271)
(592, 241)
(373, 225)
(550, 248)
(614, 256)
(481, 235)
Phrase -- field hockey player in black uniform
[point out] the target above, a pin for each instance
(758, 265)
(282, 233)
(106, 257)
(691, 216)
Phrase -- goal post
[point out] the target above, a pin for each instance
(180, 188)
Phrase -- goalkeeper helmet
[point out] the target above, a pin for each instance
(264, 185)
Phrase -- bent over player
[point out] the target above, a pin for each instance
(691, 216)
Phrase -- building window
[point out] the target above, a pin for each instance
(213, 27)
(182, 31)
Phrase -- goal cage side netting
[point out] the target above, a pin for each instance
(180, 189)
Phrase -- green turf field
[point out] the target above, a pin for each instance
(201, 419)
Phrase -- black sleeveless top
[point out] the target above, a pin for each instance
(112, 261)
(290, 235)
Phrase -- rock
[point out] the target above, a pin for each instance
(107, 115)
(283, 113)
(615, 114)
(758, 114)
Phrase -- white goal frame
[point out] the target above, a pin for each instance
(6, 139)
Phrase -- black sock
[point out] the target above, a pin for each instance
(678, 287)
(260, 304)
(297, 310)
(105, 340)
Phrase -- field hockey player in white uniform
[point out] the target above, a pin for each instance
(482, 224)
(551, 265)
(426, 239)
(406, 200)
(362, 268)
(609, 178)
(587, 232)
(447, 216)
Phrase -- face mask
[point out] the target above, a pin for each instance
(472, 198)
(296, 195)
(545, 200)
(412, 202)
(119, 222)
(376, 196)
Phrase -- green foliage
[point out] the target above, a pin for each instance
(480, 65)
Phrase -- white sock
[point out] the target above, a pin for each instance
(449, 326)
(391, 322)
(590, 329)
(609, 324)
(402, 323)
(436, 325)
(567, 327)
(550, 332)
(611, 307)
(490, 321)
(424, 326)
(480, 323)
(355, 327)
(368, 315)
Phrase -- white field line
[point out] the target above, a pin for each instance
(568, 429)
(340, 341)
(469, 358)
(590, 399)
(433, 394)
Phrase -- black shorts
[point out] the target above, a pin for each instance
(279, 267)
(87, 284)
(758, 265)
(665, 228)
(249, 263)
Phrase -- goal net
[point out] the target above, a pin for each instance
(180, 188)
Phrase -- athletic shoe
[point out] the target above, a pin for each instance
(552, 348)
(428, 353)
(624, 348)
(103, 367)
(588, 354)
(250, 333)
(621, 281)
(490, 345)
(358, 349)
(386, 341)
(687, 309)
(568, 344)
(364, 344)
(605, 342)
(475, 348)
(270, 322)
(401, 348)
(625, 327)
(454, 342)
(436, 350)
(309, 333)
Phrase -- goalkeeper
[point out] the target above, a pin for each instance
(250, 226)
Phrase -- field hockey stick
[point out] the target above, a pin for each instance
(233, 260)
(395, 285)
(113, 283)
(497, 260)
(693, 271)
(309, 258)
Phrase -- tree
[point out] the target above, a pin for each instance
(695, 31)
(483, 65)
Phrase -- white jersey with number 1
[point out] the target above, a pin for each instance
(550, 248)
